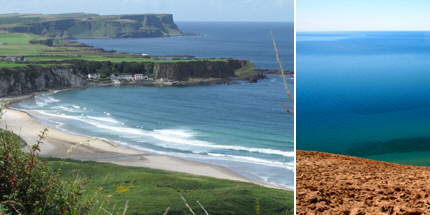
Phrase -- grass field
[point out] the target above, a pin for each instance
(18, 38)
(11, 64)
(19, 45)
(246, 69)
(150, 191)
(106, 57)
(32, 49)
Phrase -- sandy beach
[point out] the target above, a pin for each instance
(57, 143)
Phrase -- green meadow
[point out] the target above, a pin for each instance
(18, 38)
(149, 191)
(19, 45)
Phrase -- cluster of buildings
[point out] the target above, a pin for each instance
(13, 58)
(127, 77)
(93, 76)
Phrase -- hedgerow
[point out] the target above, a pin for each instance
(29, 186)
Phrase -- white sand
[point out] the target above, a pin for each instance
(57, 143)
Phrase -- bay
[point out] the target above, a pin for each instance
(242, 127)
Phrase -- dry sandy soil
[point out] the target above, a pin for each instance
(337, 184)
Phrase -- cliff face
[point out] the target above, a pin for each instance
(121, 26)
(47, 42)
(28, 79)
(198, 69)
(25, 81)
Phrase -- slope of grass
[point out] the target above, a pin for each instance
(247, 69)
(18, 138)
(101, 26)
(151, 191)
(18, 38)
(11, 64)
(15, 38)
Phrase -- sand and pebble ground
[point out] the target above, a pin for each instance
(338, 184)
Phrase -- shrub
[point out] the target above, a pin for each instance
(29, 186)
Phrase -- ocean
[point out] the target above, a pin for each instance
(365, 94)
(242, 127)
(241, 40)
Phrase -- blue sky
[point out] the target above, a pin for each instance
(362, 15)
(182, 10)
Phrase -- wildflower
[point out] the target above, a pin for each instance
(13, 179)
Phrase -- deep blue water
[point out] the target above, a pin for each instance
(365, 94)
(242, 127)
(243, 40)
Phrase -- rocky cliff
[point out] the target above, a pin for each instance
(32, 78)
(25, 80)
(182, 71)
(95, 26)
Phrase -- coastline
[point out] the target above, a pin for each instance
(57, 143)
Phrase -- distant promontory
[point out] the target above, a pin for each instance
(84, 25)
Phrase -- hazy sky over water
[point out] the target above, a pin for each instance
(362, 15)
(182, 10)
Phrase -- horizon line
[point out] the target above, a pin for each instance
(354, 30)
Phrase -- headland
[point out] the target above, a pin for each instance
(86, 25)
(33, 63)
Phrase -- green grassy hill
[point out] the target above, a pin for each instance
(82, 25)
(150, 191)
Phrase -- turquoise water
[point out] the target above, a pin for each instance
(365, 94)
(242, 127)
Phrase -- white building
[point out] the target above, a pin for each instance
(138, 76)
(125, 77)
(112, 77)
(93, 76)
(164, 80)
